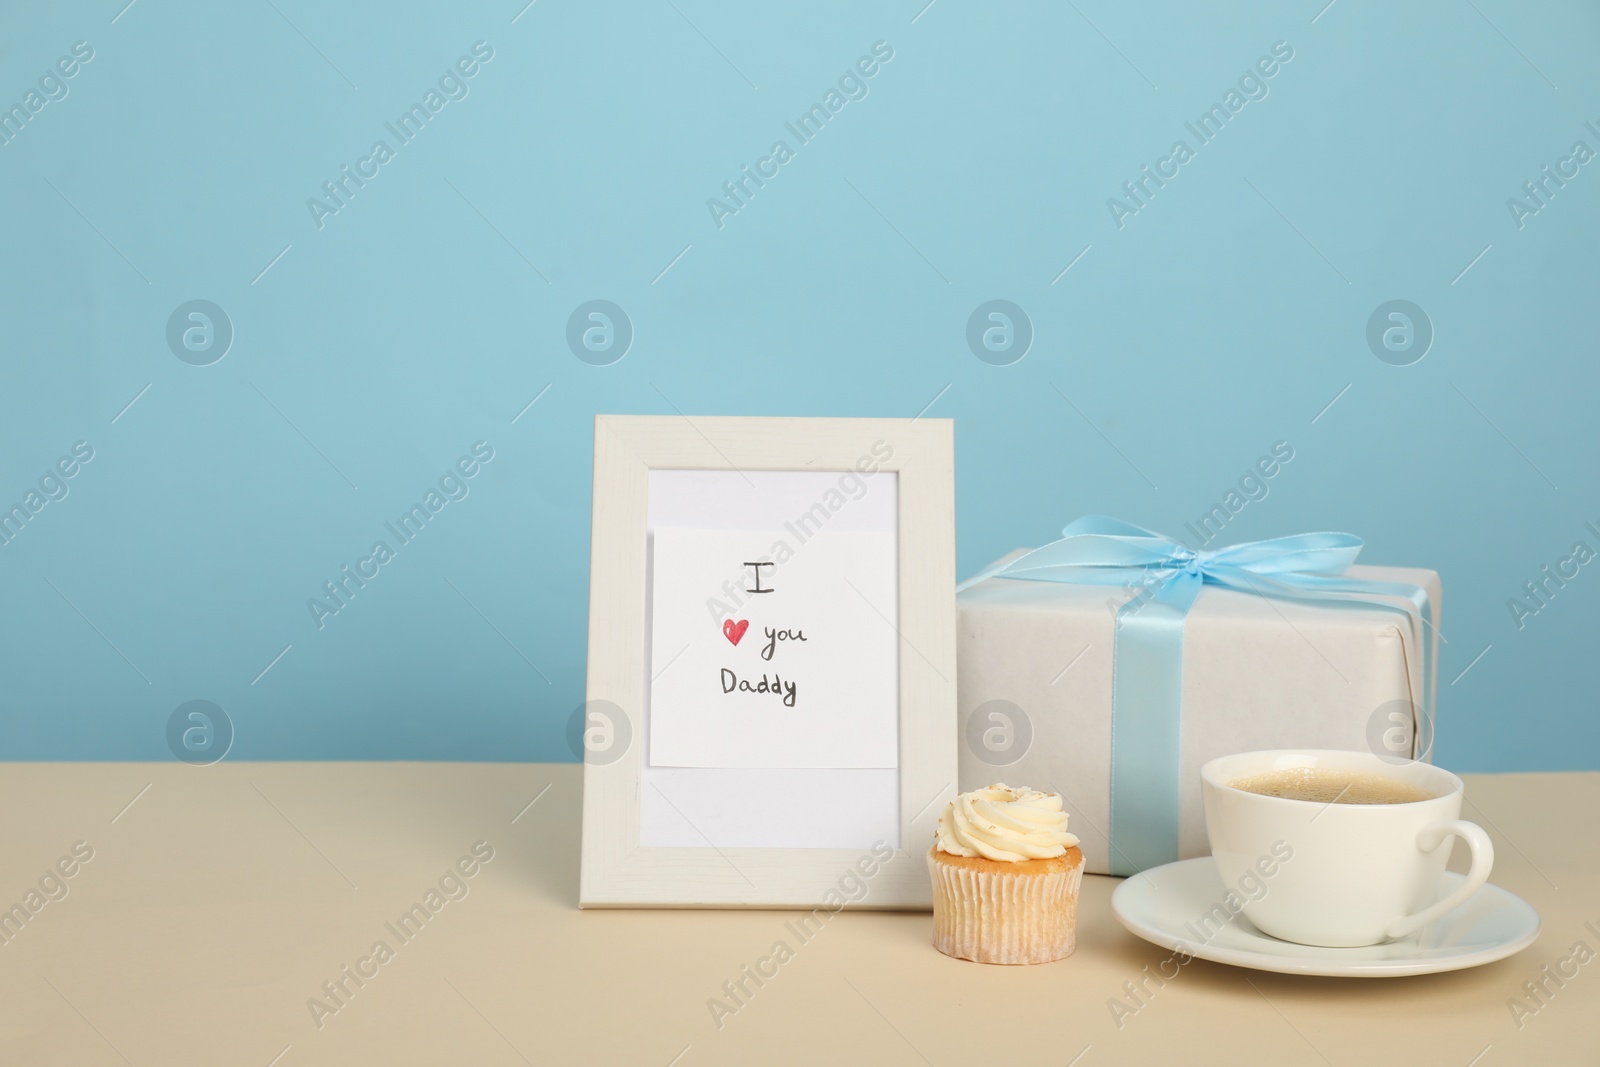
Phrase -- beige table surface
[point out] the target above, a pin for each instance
(220, 899)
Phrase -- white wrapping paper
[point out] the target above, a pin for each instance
(1259, 673)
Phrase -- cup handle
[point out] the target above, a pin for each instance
(1430, 838)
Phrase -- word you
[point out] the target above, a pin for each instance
(52, 887)
(452, 486)
(851, 888)
(1539, 190)
(1540, 591)
(850, 486)
(52, 87)
(452, 85)
(338, 991)
(52, 486)
(775, 636)
(1252, 887)
(1252, 87)
(1538, 993)
(1252, 487)
(852, 86)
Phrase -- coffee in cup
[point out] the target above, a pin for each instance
(1319, 785)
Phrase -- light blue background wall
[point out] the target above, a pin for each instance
(426, 314)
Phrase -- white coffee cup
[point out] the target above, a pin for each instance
(1357, 874)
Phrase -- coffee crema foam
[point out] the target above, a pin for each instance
(1323, 785)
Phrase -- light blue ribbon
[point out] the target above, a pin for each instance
(1147, 660)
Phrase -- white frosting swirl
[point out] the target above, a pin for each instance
(1006, 824)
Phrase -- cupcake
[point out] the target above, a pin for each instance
(1005, 878)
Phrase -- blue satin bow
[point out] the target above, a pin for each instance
(1147, 671)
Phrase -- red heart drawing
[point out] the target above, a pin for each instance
(733, 631)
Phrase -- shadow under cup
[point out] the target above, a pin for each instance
(1338, 875)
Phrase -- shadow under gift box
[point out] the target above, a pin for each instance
(1258, 673)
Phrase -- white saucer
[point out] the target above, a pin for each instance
(1164, 905)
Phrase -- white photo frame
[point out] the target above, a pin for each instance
(669, 833)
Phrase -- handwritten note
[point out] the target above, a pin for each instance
(768, 651)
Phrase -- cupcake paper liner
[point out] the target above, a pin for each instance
(998, 917)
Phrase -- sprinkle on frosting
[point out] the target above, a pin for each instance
(1006, 824)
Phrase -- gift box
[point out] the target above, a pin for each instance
(1081, 679)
